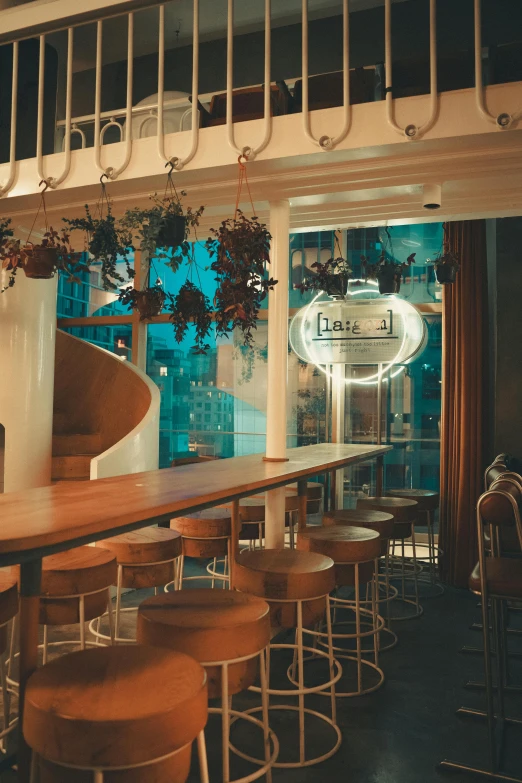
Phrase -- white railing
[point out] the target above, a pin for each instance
(180, 158)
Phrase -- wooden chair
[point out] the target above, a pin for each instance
(8, 612)
(204, 535)
(404, 512)
(146, 558)
(95, 715)
(297, 587)
(228, 633)
(247, 104)
(497, 579)
(355, 552)
(326, 90)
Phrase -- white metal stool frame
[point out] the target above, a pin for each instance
(302, 691)
(98, 772)
(438, 589)
(226, 712)
(376, 623)
(64, 642)
(225, 578)
(6, 687)
(403, 597)
(107, 638)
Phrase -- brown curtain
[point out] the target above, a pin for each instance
(464, 404)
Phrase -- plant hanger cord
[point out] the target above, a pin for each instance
(103, 199)
(170, 188)
(40, 206)
(242, 178)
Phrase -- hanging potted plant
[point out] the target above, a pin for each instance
(40, 261)
(166, 224)
(388, 274)
(107, 241)
(446, 267)
(190, 305)
(331, 277)
(147, 301)
(241, 251)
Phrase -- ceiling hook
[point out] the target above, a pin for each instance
(47, 185)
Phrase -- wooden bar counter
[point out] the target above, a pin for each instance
(39, 522)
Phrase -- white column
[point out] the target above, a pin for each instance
(27, 346)
(276, 414)
(338, 422)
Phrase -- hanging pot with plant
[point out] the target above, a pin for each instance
(332, 277)
(190, 305)
(388, 274)
(240, 248)
(39, 261)
(446, 268)
(107, 240)
(165, 225)
(148, 301)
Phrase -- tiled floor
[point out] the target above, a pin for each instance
(399, 733)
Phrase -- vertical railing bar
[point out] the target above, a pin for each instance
(128, 115)
(97, 96)
(503, 120)
(178, 164)
(230, 76)
(39, 122)
(346, 77)
(304, 73)
(411, 131)
(160, 129)
(68, 111)
(390, 113)
(12, 142)
(268, 85)
(327, 142)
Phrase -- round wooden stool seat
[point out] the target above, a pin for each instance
(282, 576)
(145, 555)
(211, 626)
(8, 603)
(252, 513)
(314, 490)
(117, 707)
(86, 570)
(403, 510)
(383, 523)
(346, 545)
(427, 499)
(204, 533)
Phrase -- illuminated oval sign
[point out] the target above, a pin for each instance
(357, 331)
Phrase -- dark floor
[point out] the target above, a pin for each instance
(401, 732)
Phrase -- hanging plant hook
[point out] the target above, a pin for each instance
(46, 183)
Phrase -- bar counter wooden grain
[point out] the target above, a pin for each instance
(38, 522)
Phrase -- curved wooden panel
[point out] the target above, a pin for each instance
(96, 392)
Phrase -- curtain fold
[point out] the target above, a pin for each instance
(464, 402)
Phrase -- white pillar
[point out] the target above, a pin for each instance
(27, 346)
(276, 414)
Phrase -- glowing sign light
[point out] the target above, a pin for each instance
(384, 331)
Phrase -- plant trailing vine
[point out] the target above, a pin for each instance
(191, 305)
(108, 241)
(148, 301)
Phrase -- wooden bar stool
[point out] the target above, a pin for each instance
(125, 714)
(252, 512)
(228, 633)
(428, 502)
(205, 535)
(355, 552)
(8, 612)
(76, 588)
(382, 523)
(146, 558)
(404, 513)
(297, 587)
